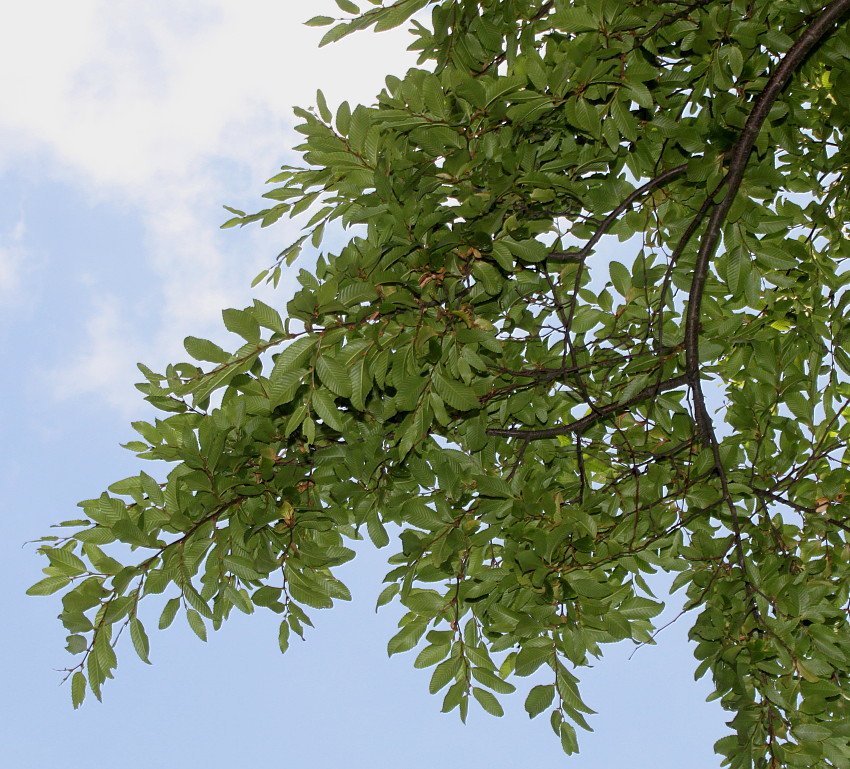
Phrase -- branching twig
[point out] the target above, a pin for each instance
(602, 411)
(580, 254)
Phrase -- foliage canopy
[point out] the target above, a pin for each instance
(540, 427)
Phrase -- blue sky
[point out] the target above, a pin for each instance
(125, 128)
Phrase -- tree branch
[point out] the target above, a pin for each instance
(580, 254)
(799, 508)
(603, 411)
(739, 157)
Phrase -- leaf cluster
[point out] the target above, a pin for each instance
(529, 425)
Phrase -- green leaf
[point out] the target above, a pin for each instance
(239, 598)
(640, 93)
(636, 385)
(530, 658)
(343, 117)
(569, 742)
(334, 376)
(334, 33)
(621, 277)
(488, 701)
(283, 636)
(140, 639)
(427, 602)
(48, 585)
(431, 655)
(197, 624)
(102, 562)
(168, 613)
(492, 681)
(243, 323)
(240, 566)
(489, 276)
(202, 349)
(406, 638)
(737, 270)
(283, 385)
(454, 393)
(443, 673)
(65, 561)
(293, 356)
(527, 250)
(268, 317)
(639, 608)
(77, 644)
(503, 255)
(377, 532)
(387, 594)
(590, 588)
(361, 382)
(488, 486)
(347, 6)
(539, 698)
(396, 14)
(78, 689)
(324, 111)
(575, 20)
(800, 406)
(734, 58)
(326, 409)
(812, 732)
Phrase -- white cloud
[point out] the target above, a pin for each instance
(128, 92)
(12, 261)
(173, 109)
(9, 264)
(104, 360)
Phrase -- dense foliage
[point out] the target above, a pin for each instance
(535, 428)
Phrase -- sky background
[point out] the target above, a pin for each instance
(124, 127)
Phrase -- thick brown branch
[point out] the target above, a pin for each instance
(739, 157)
